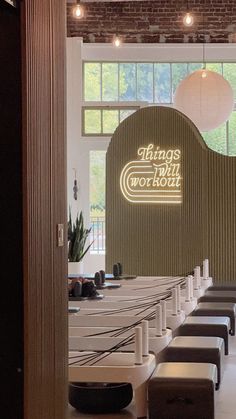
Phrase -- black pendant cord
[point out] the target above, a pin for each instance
(120, 330)
(145, 306)
(97, 356)
(125, 329)
(181, 283)
(171, 283)
(143, 298)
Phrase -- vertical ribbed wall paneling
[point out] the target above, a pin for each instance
(152, 239)
(222, 215)
(44, 207)
(171, 239)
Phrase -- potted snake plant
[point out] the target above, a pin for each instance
(77, 243)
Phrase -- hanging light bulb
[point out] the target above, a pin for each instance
(188, 19)
(78, 11)
(117, 41)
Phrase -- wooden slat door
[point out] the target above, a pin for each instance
(44, 182)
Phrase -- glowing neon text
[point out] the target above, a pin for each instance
(154, 178)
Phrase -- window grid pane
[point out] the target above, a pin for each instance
(179, 72)
(92, 81)
(110, 82)
(229, 73)
(145, 82)
(110, 119)
(151, 82)
(162, 82)
(92, 121)
(127, 82)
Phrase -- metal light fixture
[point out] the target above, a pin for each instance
(117, 41)
(188, 19)
(78, 11)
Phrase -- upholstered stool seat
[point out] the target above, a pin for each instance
(224, 286)
(197, 349)
(217, 309)
(206, 326)
(179, 390)
(228, 296)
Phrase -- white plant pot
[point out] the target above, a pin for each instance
(75, 268)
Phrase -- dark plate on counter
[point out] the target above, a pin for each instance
(73, 310)
(107, 285)
(126, 277)
(97, 297)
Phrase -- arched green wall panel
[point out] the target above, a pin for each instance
(170, 239)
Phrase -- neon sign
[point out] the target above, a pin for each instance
(154, 178)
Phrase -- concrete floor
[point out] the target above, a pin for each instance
(225, 397)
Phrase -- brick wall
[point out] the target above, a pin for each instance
(155, 21)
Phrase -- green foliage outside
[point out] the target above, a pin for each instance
(104, 121)
(162, 83)
(142, 88)
(97, 183)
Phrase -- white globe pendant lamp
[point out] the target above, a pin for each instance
(206, 98)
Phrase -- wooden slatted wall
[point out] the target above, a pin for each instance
(44, 151)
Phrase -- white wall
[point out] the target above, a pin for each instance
(78, 148)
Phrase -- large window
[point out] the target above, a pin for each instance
(150, 82)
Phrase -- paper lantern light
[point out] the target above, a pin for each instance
(206, 98)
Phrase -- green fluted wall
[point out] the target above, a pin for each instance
(170, 239)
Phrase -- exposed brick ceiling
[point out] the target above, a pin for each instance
(154, 21)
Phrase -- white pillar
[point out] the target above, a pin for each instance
(178, 298)
(158, 320)
(206, 269)
(188, 290)
(174, 301)
(197, 277)
(191, 286)
(138, 346)
(163, 306)
(145, 339)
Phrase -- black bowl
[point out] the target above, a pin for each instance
(100, 397)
